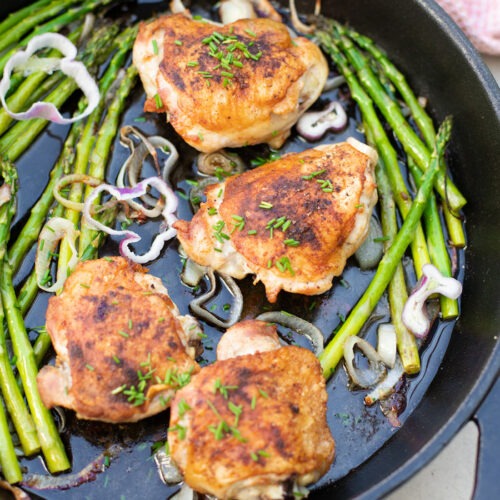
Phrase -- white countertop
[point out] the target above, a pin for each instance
(451, 474)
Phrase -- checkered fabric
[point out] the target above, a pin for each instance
(479, 20)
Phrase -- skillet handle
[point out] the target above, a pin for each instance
(486, 417)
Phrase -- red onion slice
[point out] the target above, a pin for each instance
(314, 124)
(414, 315)
(75, 69)
(125, 194)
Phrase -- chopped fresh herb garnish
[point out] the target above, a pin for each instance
(253, 403)
(223, 389)
(155, 47)
(158, 101)
(192, 64)
(124, 334)
(178, 42)
(313, 175)
(116, 359)
(326, 185)
(183, 407)
(257, 162)
(90, 367)
(118, 389)
(212, 211)
(180, 429)
(239, 222)
(266, 205)
(291, 242)
(236, 411)
(84, 285)
(252, 231)
(283, 264)
(263, 393)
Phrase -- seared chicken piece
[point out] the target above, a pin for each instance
(293, 222)
(122, 347)
(248, 426)
(243, 83)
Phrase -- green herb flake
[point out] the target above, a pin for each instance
(183, 407)
(158, 101)
(265, 205)
(313, 175)
(155, 47)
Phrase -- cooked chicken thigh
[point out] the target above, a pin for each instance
(292, 223)
(247, 427)
(242, 83)
(122, 347)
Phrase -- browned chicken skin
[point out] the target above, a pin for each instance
(256, 98)
(246, 425)
(111, 321)
(293, 222)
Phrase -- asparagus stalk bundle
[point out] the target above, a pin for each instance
(370, 78)
(333, 352)
(33, 423)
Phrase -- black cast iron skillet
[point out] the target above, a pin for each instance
(441, 63)
(459, 367)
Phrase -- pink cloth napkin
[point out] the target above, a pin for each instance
(479, 20)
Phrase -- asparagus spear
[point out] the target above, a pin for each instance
(88, 138)
(22, 134)
(16, 407)
(397, 291)
(409, 139)
(422, 119)
(102, 148)
(386, 151)
(8, 459)
(30, 231)
(54, 25)
(333, 352)
(52, 446)
(437, 244)
(31, 89)
(30, 21)
(19, 15)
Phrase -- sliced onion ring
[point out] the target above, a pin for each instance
(197, 308)
(135, 162)
(51, 234)
(314, 124)
(67, 481)
(386, 387)
(432, 281)
(73, 179)
(363, 378)
(167, 469)
(125, 194)
(67, 65)
(229, 163)
(299, 325)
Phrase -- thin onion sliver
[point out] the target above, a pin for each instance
(51, 234)
(133, 165)
(67, 65)
(72, 179)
